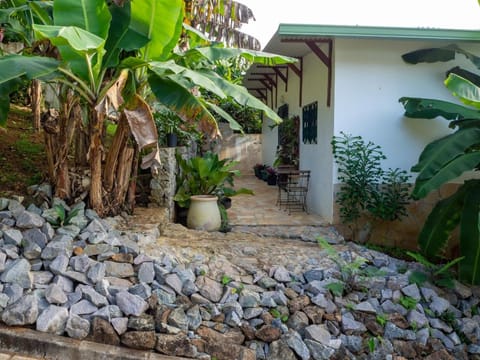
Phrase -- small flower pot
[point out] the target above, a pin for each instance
(172, 140)
(272, 180)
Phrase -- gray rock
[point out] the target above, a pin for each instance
(96, 272)
(394, 332)
(318, 333)
(174, 281)
(352, 343)
(141, 323)
(319, 351)
(29, 220)
(53, 320)
(294, 341)
(146, 273)
(22, 312)
(441, 325)
(250, 313)
(417, 319)
(435, 333)
(352, 327)
(209, 288)
(473, 349)
(282, 275)
(439, 305)
(120, 270)
(31, 250)
(142, 290)
(83, 307)
(18, 272)
(279, 350)
(94, 297)
(266, 282)
(179, 319)
(81, 263)
(189, 288)
(59, 265)
(130, 304)
(389, 307)
(3, 258)
(65, 283)
(278, 297)
(412, 291)
(194, 317)
(48, 231)
(77, 276)
(61, 245)
(166, 296)
(249, 299)
(12, 237)
(314, 274)
(54, 294)
(14, 292)
(77, 327)
(41, 279)
(97, 249)
(324, 303)
(233, 319)
(3, 203)
(69, 230)
(462, 290)
(366, 307)
(120, 324)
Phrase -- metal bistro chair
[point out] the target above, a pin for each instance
(282, 179)
(296, 191)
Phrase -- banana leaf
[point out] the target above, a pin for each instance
(442, 54)
(469, 268)
(430, 108)
(160, 21)
(448, 172)
(439, 153)
(464, 89)
(442, 220)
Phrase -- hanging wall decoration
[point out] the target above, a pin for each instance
(309, 124)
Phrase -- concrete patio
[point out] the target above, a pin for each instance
(261, 209)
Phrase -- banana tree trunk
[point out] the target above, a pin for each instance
(36, 104)
(95, 152)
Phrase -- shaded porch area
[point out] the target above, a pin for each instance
(261, 209)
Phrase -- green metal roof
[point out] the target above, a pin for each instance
(336, 31)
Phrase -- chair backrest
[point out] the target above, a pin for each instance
(299, 179)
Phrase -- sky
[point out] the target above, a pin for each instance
(448, 14)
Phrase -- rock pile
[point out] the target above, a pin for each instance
(65, 271)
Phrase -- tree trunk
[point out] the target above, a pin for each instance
(132, 187)
(95, 153)
(36, 104)
(118, 144)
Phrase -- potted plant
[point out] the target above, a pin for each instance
(204, 180)
(257, 170)
(271, 176)
(169, 126)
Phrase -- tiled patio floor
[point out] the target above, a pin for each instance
(261, 209)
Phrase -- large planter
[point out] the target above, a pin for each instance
(172, 140)
(203, 213)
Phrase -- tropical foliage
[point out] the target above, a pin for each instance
(108, 61)
(449, 157)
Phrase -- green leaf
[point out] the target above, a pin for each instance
(431, 108)
(450, 171)
(418, 277)
(161, 22)
(38, 8)
(122, 35)
(464, 89)
(178, 97)
(215, 53)
(469, 268)
(76, 45)
(442, 54)
(241, 95)
(439, 153)
(16, 68)
(92, 16)
(234, 125)
(441, 221)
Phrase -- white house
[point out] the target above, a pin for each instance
(353, 77)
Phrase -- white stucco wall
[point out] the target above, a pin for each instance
(370, 77)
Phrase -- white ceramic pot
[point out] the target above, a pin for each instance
(203, 213)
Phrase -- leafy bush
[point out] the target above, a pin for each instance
(367, 188)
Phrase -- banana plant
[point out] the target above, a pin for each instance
(448, 158)
(93, 39)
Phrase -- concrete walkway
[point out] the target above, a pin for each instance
(261, 209)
